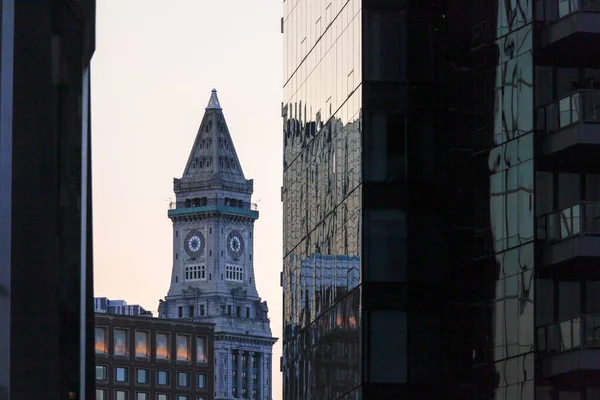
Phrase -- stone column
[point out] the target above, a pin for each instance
(249, 374)
(259, 372)
(239, 373)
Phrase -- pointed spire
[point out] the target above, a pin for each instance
(213, 103)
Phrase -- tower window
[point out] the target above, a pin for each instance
(250, 255)
(234, 273)
(209, 230)
(229, 310)
(247, 312)
(195, 272)
(201, 163)
(176, 256)
(238, 311)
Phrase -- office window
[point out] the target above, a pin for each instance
(183, 397)
(100, 372)
(142, 376)
(101, 394)
(142, 344)
(254, 378)
(162, 378)
(121, 395)
(121, 342)
(195, 272)
(101, 341)
(163, 349)
(121, 374)
(162, 396)
(142, 396)
(234, 273)
(254, 394)
(201, 349)
(183, 379)
(183, 348)
(201, 381)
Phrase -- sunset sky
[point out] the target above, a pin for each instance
(154, 67)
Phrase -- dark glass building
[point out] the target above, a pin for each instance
(46, 291)
(441, 196)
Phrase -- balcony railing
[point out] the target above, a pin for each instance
(582, 332)
(553, 10)
(582, 106)
(581, 219)
(204, 202)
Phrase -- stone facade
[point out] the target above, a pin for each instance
(213, 273)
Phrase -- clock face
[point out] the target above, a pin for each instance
(235, 244)
(194, 243)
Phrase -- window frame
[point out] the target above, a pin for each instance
(188, 340)
(126, 343)
(148, 344)
(106, 349)
(137, 371)
(188, 375)
(168, 344)
(105, 369)
(125, 392)
(126, 369)
(204, 341)
(167, 374)
(205, 379)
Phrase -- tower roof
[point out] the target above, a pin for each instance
(213, 158)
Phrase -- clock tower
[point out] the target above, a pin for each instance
(212, 278)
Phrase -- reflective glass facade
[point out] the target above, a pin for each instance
(441, 187)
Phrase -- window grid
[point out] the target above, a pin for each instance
(195, 272)
(234, 273)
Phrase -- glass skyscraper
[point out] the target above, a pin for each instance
(440, 196)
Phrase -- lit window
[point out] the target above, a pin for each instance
(162, 378)
(100, 372)
(234, 273)
(101, 394)
(201, 398)
(200, 349)
(163, 350)
(162, 396)
(101, 342)
(201, 381)
(121, 395)
(183, 348)
(121, 342)
(142, 376)
(183, 379)
(142, 348)
(182, 397)
(121, 374)
(195, 273)
(142, 396)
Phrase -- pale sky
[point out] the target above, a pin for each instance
(155, 64)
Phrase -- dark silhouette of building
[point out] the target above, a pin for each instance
(46, 291)
(145, 358)
(451, 148)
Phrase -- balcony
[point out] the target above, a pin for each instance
(571, 25)
(571, 126)
(570, 234)
(213, 206)
(569, 346)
